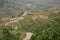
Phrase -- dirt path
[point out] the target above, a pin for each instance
(17, 19)
(28, 36)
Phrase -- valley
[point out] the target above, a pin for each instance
(29, 19)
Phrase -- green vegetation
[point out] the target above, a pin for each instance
(35, 21)
(9, 33)
(49, 30)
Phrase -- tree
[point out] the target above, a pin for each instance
(10, 34)
(48, 31)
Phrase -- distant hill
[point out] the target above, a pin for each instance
(41, 4)
(1, 3)
(15, 7)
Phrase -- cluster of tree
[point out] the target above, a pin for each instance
(8, 33)
(44, 29)
(48, 31)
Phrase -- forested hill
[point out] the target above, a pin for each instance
(44, 25)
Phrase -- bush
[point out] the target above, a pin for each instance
(48, 31)
(10, 34)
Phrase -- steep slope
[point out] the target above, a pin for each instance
(44, 24)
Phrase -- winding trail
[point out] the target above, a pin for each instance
(17, 19)
(28, 36)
